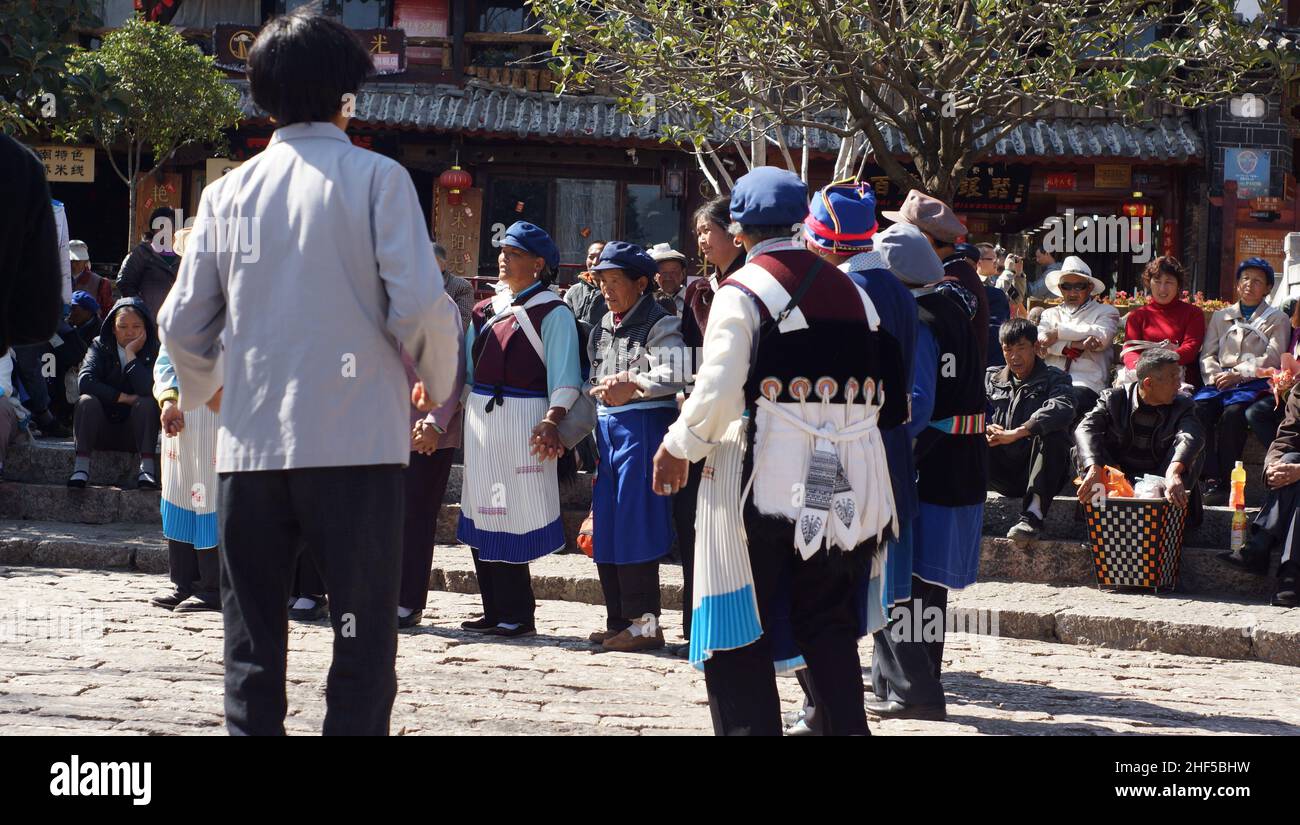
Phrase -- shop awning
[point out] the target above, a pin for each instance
(483, 109)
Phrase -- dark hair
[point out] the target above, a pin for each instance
(715, 211)
(761, 232)
(1164, 265)
(1016, 330)
(302, 64)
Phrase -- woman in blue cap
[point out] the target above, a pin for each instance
(523, 373)
(1243, 342)
(636, 359)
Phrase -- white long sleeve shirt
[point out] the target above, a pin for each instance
(1072, 326)
(718, 397)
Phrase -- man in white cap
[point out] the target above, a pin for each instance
(671, 280)
(85, 280)
(1077, 336)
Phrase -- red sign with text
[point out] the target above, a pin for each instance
(423, 18)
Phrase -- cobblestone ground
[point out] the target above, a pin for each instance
(152, 672)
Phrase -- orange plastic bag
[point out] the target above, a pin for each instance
(584, 536)
(1117, 485)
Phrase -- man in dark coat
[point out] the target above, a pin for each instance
(1145, 428)
(1031, 408)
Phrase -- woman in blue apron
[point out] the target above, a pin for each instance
(634, 354)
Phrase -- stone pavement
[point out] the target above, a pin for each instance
(119, 665)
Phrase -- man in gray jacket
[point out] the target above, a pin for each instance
(1032, 408)
(314, 427)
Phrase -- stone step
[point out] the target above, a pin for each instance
(50, 461)
(1061, 563)
(91, 505)
(1069, 614)
(1062, 523)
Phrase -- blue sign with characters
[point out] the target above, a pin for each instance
(1249, 168)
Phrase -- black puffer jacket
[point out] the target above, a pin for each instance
(1044, 400)
(148, 275)
(101, 372)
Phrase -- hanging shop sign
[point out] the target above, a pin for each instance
(387, 47)
(68, 164)
(1112, 176)
(987, 187)
(1061, 182)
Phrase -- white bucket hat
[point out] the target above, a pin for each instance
(665, 252)
(78, 251)
(1073, 265)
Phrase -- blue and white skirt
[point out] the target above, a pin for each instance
(189, 481)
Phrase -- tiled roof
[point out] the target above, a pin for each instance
(480, 108)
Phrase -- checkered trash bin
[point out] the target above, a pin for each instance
(1136, 542)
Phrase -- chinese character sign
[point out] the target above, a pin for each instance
(68, 164)
(457, 229)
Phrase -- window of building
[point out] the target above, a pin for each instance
(358, 14)
(584, 213)
(203, 14)
(504, 16)
(649, 218)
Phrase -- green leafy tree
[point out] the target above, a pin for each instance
(36, 40)
(951, 76)
(175, 96)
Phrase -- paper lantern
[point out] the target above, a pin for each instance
(454, 180)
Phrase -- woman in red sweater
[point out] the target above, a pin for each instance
(1166, 318)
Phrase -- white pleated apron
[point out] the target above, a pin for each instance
(506, 489)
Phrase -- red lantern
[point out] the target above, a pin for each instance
(1137, 210)
(454, 180)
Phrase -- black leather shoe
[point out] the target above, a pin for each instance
(146, 481)
(898, 710)
(169, 600)
(509, 633)
(410, 620)
(1286, 593)
(479, 625)
(198, 604)
(311, 614)
(1241, 561)
(1214, 493)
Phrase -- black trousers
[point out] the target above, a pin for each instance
(197, 572)
(136, 432)
(1226, 432)
(1277, 523)
(506, 590)
(908, 654)
(349, 521)
(631, 591)
(307, 580)
(1038, 465)
(426, 483)
(742, 683)
(684, 501)
(27, 363)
